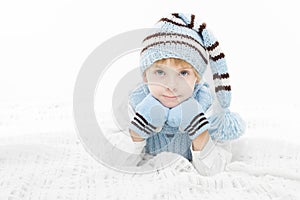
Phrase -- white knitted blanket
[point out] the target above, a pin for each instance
(48, 162)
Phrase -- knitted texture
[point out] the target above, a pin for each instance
(189, 117)
(150, 116)
(51, 163)
(172, 38)
(55, 166)
(186, 37)
(170, 139)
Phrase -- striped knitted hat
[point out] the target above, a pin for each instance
(186, 37)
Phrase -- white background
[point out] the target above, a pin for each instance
(44, 43)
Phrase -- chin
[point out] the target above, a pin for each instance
(171, 104)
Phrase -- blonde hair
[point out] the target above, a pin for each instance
(178, 61)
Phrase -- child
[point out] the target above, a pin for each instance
(171, 106)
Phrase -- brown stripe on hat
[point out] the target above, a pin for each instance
(171, 21)
(176, 15)
(213, 46)
(215, 58)
(176, 42)
(173, 34)
(220, 76)
(223, 87)
(202, 27)
(191, 25)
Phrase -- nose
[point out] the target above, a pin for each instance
(172, 84)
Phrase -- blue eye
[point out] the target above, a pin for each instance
(159, 72)
(184, 73)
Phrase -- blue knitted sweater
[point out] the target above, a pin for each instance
(170, 139)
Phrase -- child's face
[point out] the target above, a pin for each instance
(171, 82)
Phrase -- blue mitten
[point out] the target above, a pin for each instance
(189, 118)
(150, 116)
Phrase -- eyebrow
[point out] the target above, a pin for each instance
(157, 68)
(184, 68)
(180, 68)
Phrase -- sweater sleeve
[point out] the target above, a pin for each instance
(213, 159)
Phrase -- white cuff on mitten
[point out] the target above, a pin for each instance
(212, 159)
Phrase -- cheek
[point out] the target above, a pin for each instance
(187, 84)
(155, 88)
(187, 88)
(187, 92)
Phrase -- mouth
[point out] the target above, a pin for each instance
(170, 97)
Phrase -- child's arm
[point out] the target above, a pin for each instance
(200, 141)
(135, 137)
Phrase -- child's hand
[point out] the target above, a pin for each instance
(150, 117)
(189, 118)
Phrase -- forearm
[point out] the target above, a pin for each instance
(135, 137)
(200, 141)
